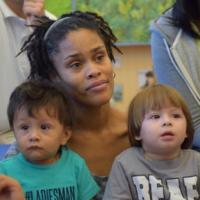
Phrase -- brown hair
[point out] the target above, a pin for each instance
(154, 98)
(34, 95)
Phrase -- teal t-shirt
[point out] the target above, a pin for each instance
(67, 179)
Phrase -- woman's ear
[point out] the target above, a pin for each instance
(66, 136)
(138, 138)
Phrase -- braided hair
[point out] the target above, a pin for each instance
(48, 34)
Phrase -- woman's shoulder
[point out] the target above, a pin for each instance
(118, 122)
(164, 26)
(164, 20)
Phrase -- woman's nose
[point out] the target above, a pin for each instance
(93, 74)
(92, 70)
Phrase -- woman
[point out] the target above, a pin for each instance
(175, 41)
(77, 49)
(10, 189)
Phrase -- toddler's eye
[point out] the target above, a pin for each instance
(155, 116)
(24, 127)
(45, 126)
(176, 115)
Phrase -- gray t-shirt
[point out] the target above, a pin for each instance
(134, 177)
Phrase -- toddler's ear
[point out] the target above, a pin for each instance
(66, 136)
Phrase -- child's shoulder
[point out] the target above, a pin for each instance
(191, 155)
(191, 152)
(10, 159)
(71, 155)
(129, 153)
(8, 163)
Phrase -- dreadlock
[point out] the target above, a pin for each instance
(101, 27)
(41, 66)
(47, 35)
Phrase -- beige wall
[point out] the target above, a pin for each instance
(135, 59)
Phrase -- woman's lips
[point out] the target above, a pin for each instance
(97, 86)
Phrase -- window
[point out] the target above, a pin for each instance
(129, 19)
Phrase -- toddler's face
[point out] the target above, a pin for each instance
(163, 132)
(39, 137)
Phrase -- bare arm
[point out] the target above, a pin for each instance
(10, 189)
(32, 8)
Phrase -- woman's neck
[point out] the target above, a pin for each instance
(16, 6)
(92, 117)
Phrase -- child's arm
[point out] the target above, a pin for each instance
(117, 187)
(10, 189)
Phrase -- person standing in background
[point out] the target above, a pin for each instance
(175, 42)
(150, 79)
(15, 15)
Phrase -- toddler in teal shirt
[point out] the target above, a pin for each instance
(41, 118)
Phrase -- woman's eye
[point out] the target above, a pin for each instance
(75, 65)
(99, 57)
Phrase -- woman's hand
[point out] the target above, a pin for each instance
(10, 189)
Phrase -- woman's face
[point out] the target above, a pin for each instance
(83, 63)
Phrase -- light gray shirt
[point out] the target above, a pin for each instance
(13, 70)
(134, 177)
